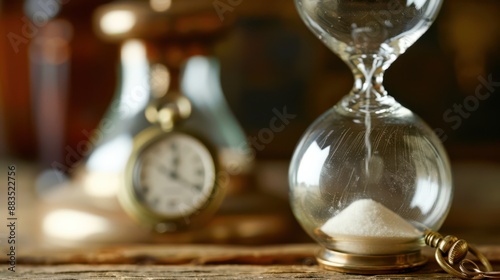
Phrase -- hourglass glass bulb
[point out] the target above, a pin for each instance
(384, 27)
(369, 176)
(368, 35)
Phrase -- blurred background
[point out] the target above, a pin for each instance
(58, 77)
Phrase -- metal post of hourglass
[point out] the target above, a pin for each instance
(369, 176)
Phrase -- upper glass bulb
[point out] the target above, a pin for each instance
(386, 27)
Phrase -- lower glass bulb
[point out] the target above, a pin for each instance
(370, 185)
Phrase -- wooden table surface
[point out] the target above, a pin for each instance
(164, 261)
(199, 262)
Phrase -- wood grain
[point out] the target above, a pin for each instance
(195, 272)
(198, 261)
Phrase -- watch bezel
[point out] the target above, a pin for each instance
(136, 207)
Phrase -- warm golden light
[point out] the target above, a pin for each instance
(160, 80)
(160, 5)
(117, 22)
(73, 225)
(101, 184)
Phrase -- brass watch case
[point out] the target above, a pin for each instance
(139, 211)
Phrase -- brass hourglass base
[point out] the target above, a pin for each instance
(370, 264)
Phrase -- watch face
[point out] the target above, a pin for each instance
(175, 175)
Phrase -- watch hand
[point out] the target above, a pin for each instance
(175, 176)
(176, 161)
(164, 170)
(196, 187)
(176, 157)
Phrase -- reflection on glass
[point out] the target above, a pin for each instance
(309, 172)
(113, 138)
(135, 79)
(212, 116)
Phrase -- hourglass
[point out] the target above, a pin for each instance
(369, 177)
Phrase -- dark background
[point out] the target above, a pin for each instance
(270, 60)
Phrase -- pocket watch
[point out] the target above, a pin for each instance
(172, 178)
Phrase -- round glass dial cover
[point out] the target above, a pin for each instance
(175, 175)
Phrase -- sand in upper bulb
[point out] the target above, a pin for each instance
(368, 227)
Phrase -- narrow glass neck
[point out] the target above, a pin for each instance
(368, 94)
